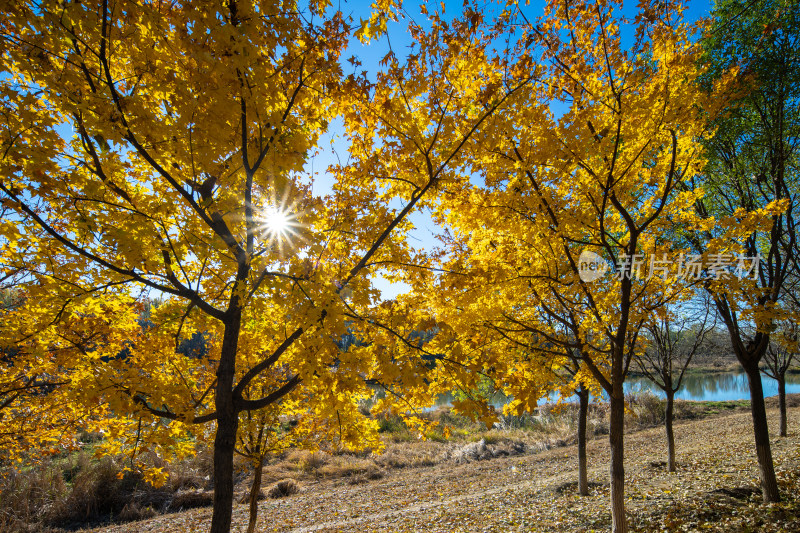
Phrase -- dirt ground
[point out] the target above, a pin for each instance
(714, 489)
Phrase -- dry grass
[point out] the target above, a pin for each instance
(190, 499)
(551, 426)
(712, 490)
(79, 490)
(647, 410)
(283, 488)
(29, 497)
(411, 454)
(132, 511)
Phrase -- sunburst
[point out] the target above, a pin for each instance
(279, 225)
(276, 223)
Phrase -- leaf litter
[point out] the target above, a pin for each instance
(714, 489)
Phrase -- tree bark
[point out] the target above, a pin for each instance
(769, 484)
(670, 434)
(227, 425)
(782, 403)
(616, 437)
(255, 489)
(583, 415)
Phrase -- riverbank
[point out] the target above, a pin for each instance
(715, 489)
(725, 366)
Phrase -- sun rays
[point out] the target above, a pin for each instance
(278, 225)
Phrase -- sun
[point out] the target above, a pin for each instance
(276, 221)
(277, 224)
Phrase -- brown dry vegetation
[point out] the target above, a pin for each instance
(715, 489)
(439, 473)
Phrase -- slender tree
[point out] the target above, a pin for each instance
(675, 336)
(583, 392)
(781, 353)
(752, 169)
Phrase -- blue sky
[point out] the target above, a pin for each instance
(333, 148)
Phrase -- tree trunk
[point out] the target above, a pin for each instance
(782, 403)
(616, 437)
(583, 415)
(254, 492)
(670, 434)
(769, 485)
(227, 425)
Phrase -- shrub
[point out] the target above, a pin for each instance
(72, 490)
(307, 461)
(189, 499)
(391, 424)
(685, 410)
(599, 426)
(447, 417)
(132, 512)
(28, 496)
(648, 408)
(283, 488)
(371, 473)
(95, 491)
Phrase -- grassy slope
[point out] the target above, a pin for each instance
(714, 489)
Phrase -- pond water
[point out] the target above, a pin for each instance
(710, 386)
(717, 386)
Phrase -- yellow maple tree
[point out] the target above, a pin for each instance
(156, 151)
(591, 159)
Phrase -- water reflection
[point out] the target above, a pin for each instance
(716, 386)
(719, 386)
(498, 399)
